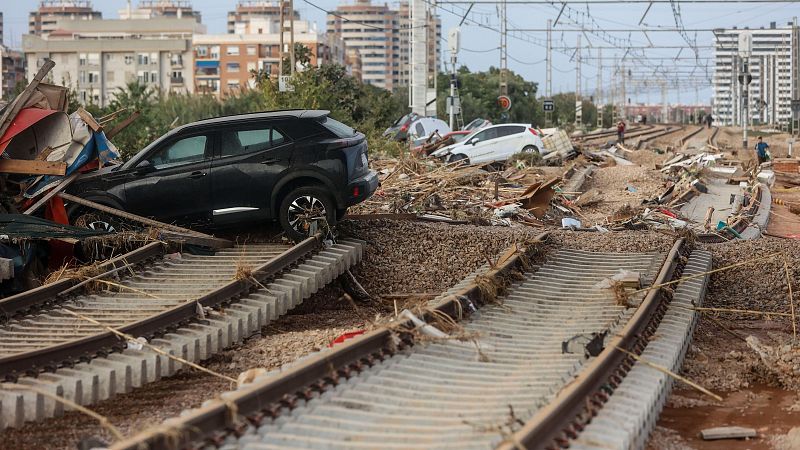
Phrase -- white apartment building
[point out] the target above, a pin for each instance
(380, 36)
(97, 57)
(771, 66)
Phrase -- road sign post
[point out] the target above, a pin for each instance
(548, 105)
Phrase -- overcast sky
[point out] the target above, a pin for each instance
(480, 41)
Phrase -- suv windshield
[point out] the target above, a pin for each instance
(338, 128)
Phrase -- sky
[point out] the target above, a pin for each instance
(687, 75)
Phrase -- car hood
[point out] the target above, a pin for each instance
(97, 173)
(444, 151)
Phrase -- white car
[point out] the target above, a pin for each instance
(494, 143)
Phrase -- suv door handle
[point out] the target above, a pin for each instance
(269, 161)
(197, 174)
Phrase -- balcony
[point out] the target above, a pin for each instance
(176, 80)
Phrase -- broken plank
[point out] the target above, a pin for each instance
(29, 167)
(18, 103)
(122, 125)
(52, 192)
(208, 240)
(86, 117)
(710, 434)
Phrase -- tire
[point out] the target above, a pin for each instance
(530, 149)
(340, 213)
(458, 157)
(306, 210)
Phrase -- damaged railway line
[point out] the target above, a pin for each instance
(190, 306)
(527, 350)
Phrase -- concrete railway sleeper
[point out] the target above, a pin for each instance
(173, 302)
(508, 369)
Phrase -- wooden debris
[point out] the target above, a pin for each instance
(179, 233)
(51, 193)
(32, 167)
(710, 434)
(122, 125)
(89, 120)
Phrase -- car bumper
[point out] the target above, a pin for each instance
(362, 188)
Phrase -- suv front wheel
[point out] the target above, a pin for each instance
(306, 211)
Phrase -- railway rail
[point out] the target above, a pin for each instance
(175, 301)
(529, 368)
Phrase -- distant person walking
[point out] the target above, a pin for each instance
(621, 132)
(761, 151)
(709, 120)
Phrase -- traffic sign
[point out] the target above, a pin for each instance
(504, 102)
(548, 106)
(745, 78)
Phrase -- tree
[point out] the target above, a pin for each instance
(302, 55)
(479, 92)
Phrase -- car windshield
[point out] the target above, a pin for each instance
(338, 128)
(459, 137)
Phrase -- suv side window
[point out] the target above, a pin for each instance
(241, 142)
(187, 150)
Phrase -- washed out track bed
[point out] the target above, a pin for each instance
(533, 352)
(61, 339)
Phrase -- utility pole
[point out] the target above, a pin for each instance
(745, 51)
(291, 37)
(548, 85)
(578, 102)
(503, 48)
(624, 113)
(282, 50)
(599, 93)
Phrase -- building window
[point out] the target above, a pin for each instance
(110, 76)
(141, 77)
(82, 76)
(153, 58)
(82, 59)
(128, 59)
(202, 52)
(232, 67)
(251, 50)
(154, 77)
(215, 52)
(233, 50)
(233, 85)
(94, 77)
(94, 59)
(143, 59)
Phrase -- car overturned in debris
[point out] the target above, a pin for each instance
(300, 167)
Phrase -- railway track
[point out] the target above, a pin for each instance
(191, 306)
(522, 369)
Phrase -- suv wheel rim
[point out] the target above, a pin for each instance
(101, 226)
(305, 213)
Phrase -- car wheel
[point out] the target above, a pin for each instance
(530, 149)
(97, 221)
(458, 157)
(340, 213)
(305, 212)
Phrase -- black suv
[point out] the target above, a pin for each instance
(300, 167)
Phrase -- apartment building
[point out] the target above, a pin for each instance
(98, 57)
(382, 37)
(771, 66)
(151, 9)
(12, 71)
(251, 15)
(434, 40)
(373, 31)
(224, 63)
(44, 19)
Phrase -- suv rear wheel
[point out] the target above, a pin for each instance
(306, 211)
